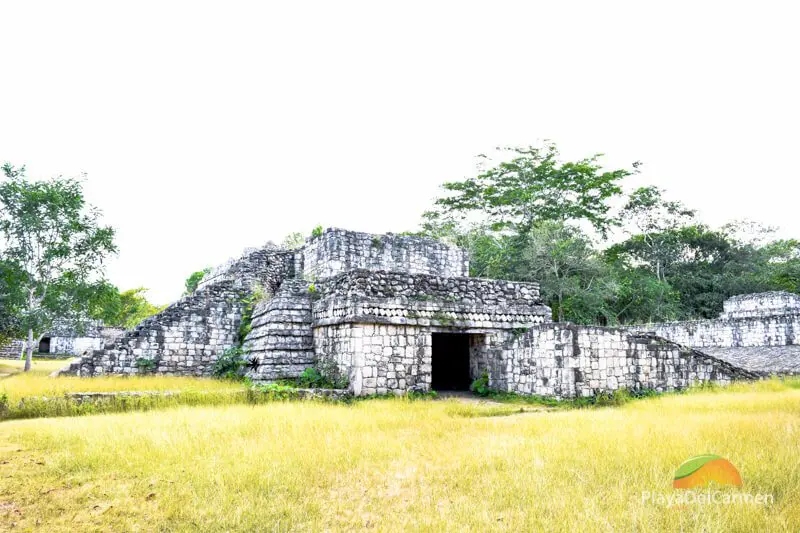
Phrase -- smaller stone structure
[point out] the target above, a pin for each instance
(759, 332)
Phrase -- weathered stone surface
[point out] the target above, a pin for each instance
(768, 359)
(12, 350)
(338, 251)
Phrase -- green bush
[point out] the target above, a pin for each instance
(481, 385)
(146, 365)
(229, 365)
(317, 232)
(194, 280)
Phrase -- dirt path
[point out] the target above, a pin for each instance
(474, 399)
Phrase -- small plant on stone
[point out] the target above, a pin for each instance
(518, 332)
(376, 241)
(481, 385)
(316, 232)
(146, 365)
(229, 365)
(250, 302)
(311, 378)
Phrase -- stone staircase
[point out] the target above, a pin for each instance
(281, 339)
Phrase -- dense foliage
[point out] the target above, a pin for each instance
(535, 217)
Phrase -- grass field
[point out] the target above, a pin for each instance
(401, 465)
(32, 386)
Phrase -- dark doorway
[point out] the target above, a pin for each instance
(44, 345)
(450, 362)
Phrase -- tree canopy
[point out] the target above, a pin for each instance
(526, 217)
(55, 245)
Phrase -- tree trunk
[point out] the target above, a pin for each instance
(29, 351)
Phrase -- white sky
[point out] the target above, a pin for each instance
(206, 128)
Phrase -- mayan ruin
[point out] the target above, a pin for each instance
(393, 314)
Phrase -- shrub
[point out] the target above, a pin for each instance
(275, 391)
(3, 403)
(250, 303)
(323, 376)
(229, 365)
(481, 385)
(145, 364)
(316, 232)
(194, 280)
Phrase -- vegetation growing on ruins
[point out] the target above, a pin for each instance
(601, 255)
(194, 279)
(419, 465)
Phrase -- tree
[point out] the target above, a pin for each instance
(535, 186)
(57, 242)
(293, 240)
(122, 309)
(194, 280)
(657, 221)
(11, 301)
(573, 280)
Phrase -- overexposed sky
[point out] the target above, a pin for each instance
(208, 127)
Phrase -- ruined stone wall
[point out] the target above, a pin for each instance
(189, 335)
(268, 266)
(763, 304)
(75, 345)
(337, 251)
(280, 343)
(565, 361)
(183, 340)
(775, 330)
(12, 350)
(749, 320)
(424, 300)
(378, 359)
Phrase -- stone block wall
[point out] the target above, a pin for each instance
(75, 345)
(183, 340)
(189, 335)
(378, 359)
(424, 300)
(337, 251)
(565, 361)
(267, 266)
(762, 304)
(767, 330)
(280, 342)
(12, 350)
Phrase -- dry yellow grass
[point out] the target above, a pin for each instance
(37, 383)
(392, 465)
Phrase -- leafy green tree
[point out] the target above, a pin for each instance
(122, 309)
(58, 244)
(11, 302)
(640, 297)
(194, 280)
(134, 308)
(657, 221)
(573, 280)
(534, 185)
